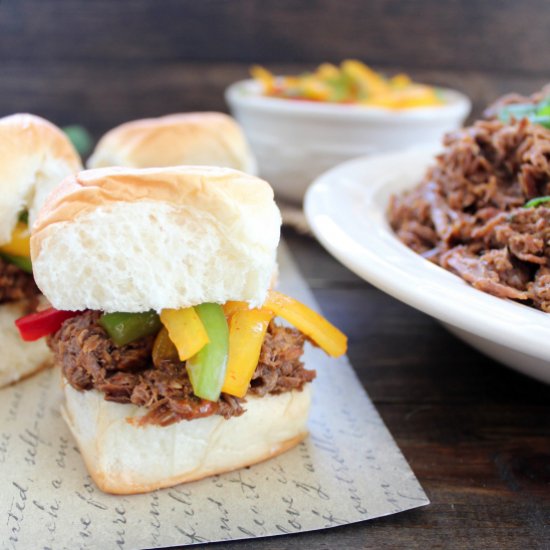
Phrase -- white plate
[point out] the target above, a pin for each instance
(346, 209)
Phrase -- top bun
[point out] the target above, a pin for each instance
(35, 156)
(210, 139)
(128, 239)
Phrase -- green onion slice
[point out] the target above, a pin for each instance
(537, 201)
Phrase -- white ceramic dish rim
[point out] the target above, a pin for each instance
(247, 92)
(373, 252)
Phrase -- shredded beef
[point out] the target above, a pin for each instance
(16, 284)
(492, 272)
(540, 289)
(276, 371)
(125, 374)
(468, 214)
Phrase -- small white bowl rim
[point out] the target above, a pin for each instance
(457, 105)
(507, 323)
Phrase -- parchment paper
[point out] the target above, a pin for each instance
(348, 470)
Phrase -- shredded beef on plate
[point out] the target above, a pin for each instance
(125, 374)
(468, 215)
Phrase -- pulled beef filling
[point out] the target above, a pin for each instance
(125, 374)
(467, 214)
(15, 284)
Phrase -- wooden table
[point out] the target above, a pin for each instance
(476, 434)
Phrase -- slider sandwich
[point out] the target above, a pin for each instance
(173, 366)
(35, 157)
(208, 139)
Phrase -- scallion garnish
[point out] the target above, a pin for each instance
(537, 201)
(537, 113)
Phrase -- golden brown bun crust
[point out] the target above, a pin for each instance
(90, 189)
(105, 482)
(129, 239)
(35, 156)
(208, 138)
(25, 133)
(125, 458)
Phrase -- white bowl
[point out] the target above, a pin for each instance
(295, 141)
(346, 208)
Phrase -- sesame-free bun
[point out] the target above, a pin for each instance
(35, 156)
(19, 359)
(123, 457)
(127, 239)
(211, 139)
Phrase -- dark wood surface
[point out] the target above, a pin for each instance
(103, 62)
(455, 34)
(476, 433)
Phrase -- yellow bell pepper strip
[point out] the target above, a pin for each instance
(163, 348)
(327, 71)
(314, 90)
(352, 82)
(186, 330)
(229, 308)
(263, 76)
(20, 244)
(247, 328)
(400, 81)
(331, 340)
(207, 368)
(18, 250)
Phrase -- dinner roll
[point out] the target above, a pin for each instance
(35, 156)
(127, 239)
(124, 457)
(19, 359)
(211, 139)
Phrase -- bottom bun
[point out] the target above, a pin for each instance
(18, 359)
(124, 458)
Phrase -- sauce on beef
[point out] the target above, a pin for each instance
(125, 374)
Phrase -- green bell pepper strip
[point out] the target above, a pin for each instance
(537, 201)
(20, 261)
(207, 368)
(24, 216)
(340, 88)
(124, 328)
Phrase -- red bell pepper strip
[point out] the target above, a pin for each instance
(42, 323)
